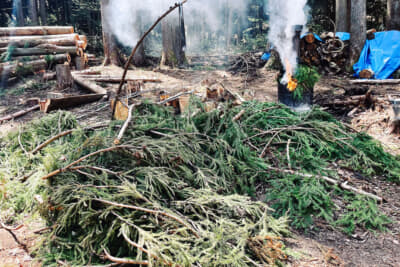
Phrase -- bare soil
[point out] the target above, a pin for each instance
(322, 246)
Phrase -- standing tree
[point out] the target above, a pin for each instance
(43, 11)
(19, 12)
(33, 14)
(111, 55)
(393, 16)
(343, 10)
(358, 29)
(173, 40)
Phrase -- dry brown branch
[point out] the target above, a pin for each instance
(128, 63)
(154, 212)
(11, 228)
(18, 114)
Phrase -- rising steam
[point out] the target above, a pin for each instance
(200, 15)
(283, 16)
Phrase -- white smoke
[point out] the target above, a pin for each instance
(123, 17)
(283, 16)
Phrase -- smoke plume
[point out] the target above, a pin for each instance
(283, 16)
(124, 16)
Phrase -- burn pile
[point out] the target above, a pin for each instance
(29, 50)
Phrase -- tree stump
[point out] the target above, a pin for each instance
(80, 63)
(64, 77)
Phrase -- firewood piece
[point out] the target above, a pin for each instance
(310, 38)
(68, 102)
(85, 73)
(18, 114)
(45, 49)
(121, 110)
(42, 30)
(366, 74)
(388, 81)
(88, 85)
(64, 77)
(32, 41)
(83, 41)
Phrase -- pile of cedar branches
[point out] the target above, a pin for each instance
(175, 191)
(28, 50)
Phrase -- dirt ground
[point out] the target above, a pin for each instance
(322, 246)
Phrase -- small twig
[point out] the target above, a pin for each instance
(20, 143)
(154, 212)
(239, 115)
(288, 153)
(95, 169)
(123, 261)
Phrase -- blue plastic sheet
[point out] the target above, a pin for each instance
(381, 55)
(266, 56)
(344, 36)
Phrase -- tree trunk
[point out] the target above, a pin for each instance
(110, 46)
(139, 59)
(393, 16)
(43, 12)
(42, 50)
(174, 40)
(19, 12)
(358, 29)
(343, 15)
(32, 41)
(33, 14)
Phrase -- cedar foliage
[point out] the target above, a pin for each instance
(176, 193)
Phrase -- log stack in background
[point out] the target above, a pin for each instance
(329, 56)
(28, 50)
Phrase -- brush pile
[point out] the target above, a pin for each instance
(330, 55)
(174, 192)
(247, 63)
(28, 50)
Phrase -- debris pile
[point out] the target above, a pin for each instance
(168, 193)
(247, 63)
(28, 50)
(329, 55)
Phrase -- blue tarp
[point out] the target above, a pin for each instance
(344, 36)
(381, 55)
(266, 56)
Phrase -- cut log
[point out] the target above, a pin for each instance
(88, 85)
(64, 77)
(111, 79)
(83, 41)
(45, 49)
(68, 102)
(18, 114)
(48, 76)
(47, 30)
(22, 69)
(366, 74)
(32, 41)
(388, 81)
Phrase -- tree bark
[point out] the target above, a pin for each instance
(47, 30)
(393, 16)
(358, 29)
(33, 14)
(19, 12)
(111, 55)
(68, 102)
(32, 41)
(43, 12)
(174, 41)
(343, 15)
(45, 49)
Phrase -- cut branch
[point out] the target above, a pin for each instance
(18, 114)
(139, 43)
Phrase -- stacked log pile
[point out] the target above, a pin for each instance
(329, 56)
(27, 50)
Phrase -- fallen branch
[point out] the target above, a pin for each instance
(18, 114)
(117, 141)
(154, 212)
(331, 181)
(388, 81)
(128, 63)
(110, 79)
(123, 261)
(88, 85)
(239, 115)
(11, 228)
(56, 172)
